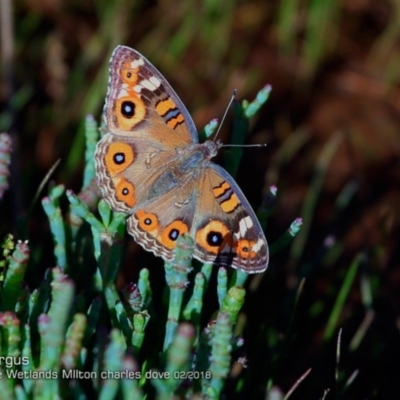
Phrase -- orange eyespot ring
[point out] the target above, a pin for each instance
(119, 157)
(148, 222)
(171, 233)
(129, 75)
(214, 237)
(125, 191)
(244, 249)
(129, 111)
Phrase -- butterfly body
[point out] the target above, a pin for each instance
(186, 168)
(150, 165)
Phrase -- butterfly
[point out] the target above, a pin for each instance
(150, 165)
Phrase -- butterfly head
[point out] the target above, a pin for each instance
(210, 148)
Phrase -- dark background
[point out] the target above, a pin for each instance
(333, 132)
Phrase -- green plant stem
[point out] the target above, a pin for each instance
(113, 361)
(287, 237)
(233, 302)
(193, 309)
(130, 387)
(220, 358)
(176, 275)
(342, 295)
(178, 358)
(53, 211)
(140, 321)
(53, 336)
(14, 276)
(73, 344)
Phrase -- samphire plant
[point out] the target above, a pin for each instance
(77, 337)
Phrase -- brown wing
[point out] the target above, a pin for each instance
(139, 99)
(213, 210)
(145, 123)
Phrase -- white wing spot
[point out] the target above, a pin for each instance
(149, 85)
(123, 92)
(244, 225)
(137, 63)
(258, 245)
(155, 81)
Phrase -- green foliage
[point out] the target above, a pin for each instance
(5, 158)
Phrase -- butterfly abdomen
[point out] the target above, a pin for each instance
(187, 167)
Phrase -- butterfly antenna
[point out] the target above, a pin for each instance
(246, 145)
(222, 121)
(226, 112)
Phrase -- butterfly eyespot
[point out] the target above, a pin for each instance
(130, 71)
(130, 77)
(147, 221)
(119, 158)
(125, 191)
(244, 248)
(171, 233)
(128, 108)
(215, 238)
(128, 111)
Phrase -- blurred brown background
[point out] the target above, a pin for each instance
(332, 126)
